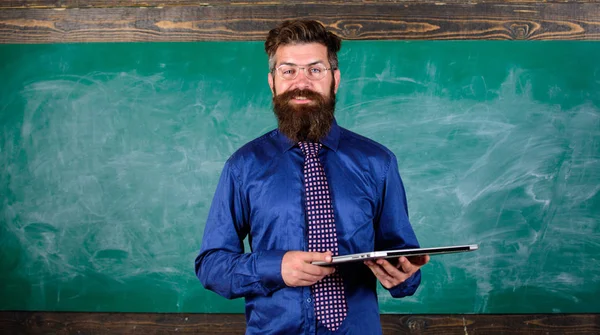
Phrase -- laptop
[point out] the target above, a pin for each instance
(397, 253)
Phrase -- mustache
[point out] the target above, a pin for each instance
(308, 94)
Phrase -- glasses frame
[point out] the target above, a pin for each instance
(305, 70)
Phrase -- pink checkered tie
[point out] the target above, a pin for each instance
(328, 293)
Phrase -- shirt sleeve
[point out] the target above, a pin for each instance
(222, 266)
(393, 229)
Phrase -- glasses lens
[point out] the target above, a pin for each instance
(315, 72)
(288, 72)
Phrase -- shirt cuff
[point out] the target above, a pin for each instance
(268, 267)
(408, 287)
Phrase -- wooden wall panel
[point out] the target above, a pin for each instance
(164, 3)
(251, 21)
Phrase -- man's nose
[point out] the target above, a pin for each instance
(302, 81)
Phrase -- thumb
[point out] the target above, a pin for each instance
(320, 256)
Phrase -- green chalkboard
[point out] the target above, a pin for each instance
(110, 154)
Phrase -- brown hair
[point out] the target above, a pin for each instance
(300, 32)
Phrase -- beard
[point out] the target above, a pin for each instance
(306, 122)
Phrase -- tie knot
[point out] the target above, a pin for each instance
(310, 149)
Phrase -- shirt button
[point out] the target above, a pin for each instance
(308, 299)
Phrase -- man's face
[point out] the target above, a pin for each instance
(304, 107)
(302, 55)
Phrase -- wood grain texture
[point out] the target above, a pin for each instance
(395, 21)
(164, 3)
(154, 323)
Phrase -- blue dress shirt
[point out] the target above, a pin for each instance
(261, 195)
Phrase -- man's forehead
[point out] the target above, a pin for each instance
(307, 53)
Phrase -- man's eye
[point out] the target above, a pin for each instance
(288, 71)
(315, 70)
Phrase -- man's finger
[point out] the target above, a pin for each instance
(317, 256)
(419, 260)
(317, 270)
(379, 271)
(405, 266)
(309, 278)
(391, 270)
(302, 282)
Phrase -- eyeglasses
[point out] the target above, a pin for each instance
(312, 72)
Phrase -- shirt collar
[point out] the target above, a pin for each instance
(331, 140)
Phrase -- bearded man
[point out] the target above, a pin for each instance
(302, 193)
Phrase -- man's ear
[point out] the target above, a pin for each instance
(271, 83)
(337, 76)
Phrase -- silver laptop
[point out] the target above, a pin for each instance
(397, 253)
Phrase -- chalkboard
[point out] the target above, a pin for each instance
(110, 155)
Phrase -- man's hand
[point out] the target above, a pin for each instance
(390, 275)
(297, 270)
